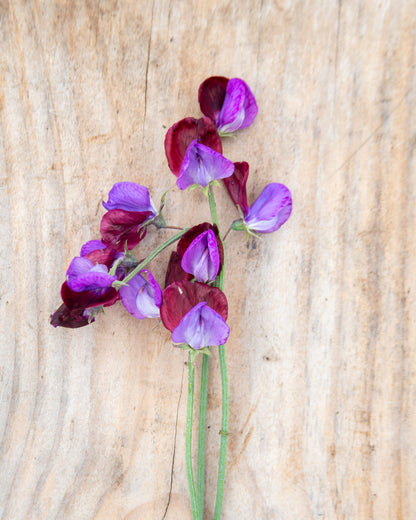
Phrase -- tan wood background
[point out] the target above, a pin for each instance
(321, 357)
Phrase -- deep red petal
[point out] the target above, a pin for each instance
(86, 299)
(181, 134)
(72, 319)
(174, 272)
(236, 185)
(211, 95)
(180, 297)
(118, 226)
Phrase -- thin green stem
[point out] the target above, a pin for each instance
(219, 282)
(148, 259)
(200, 474)
(223, 434)
(188, 438)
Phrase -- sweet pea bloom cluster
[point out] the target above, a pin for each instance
(190, 303)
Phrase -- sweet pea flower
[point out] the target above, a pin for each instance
(228, 102)
(84, 275)
(181, 134)
(88, 285)
(129, 208)
(271, 209)
(201, 327)
(236, 186)
(202, 165)
(202, 258)
(175, 272)
(195, 313)
(142, 298)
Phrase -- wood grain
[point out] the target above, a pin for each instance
(321, 357)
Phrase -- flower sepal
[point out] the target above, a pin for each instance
(194, 353)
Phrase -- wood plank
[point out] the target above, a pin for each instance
(321, 357)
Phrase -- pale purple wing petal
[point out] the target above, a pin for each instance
(239, 109)
(201, 258)
(142, 298)
(271, 209)
(201, 327)
(201, 165)
(129, 196)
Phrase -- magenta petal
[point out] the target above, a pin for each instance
(201, 165)
(129, 196)
(142, 298)
(90, 246)
(202, 257)
(211, 95)
(271, 209)
(239, 109)
(201, 327)
(119, 226)
(236, 185)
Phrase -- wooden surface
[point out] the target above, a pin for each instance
(321, 357)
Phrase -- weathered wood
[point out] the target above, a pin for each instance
(321, 357)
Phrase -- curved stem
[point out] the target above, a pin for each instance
(188, 439)
(117, 284)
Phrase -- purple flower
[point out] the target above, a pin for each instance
(130, 196)
(142, 298)
(201, 165)
(201, 327)
(202, 258)
(239, 109)
(129, 210)
(181, 134)
(83, 275)
(271, 209)
(229, 103)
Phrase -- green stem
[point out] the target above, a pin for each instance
(188, 439)
(223, 433)
(200, 474)
(148, 259)
(219, 282)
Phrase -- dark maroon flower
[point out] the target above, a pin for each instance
(180, 297)
(72, 319)
(229, 103)
(236, 186)
(181, 134)
(119, 226)
(174, 271)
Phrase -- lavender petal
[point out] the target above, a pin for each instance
(129, 196)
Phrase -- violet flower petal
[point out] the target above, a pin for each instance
(142, 298)
(201, 327)
(90, 246)
(201, 165)
(83, 275)
(239, 109)
(271, 209)
(129, 196)
(202, 257)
